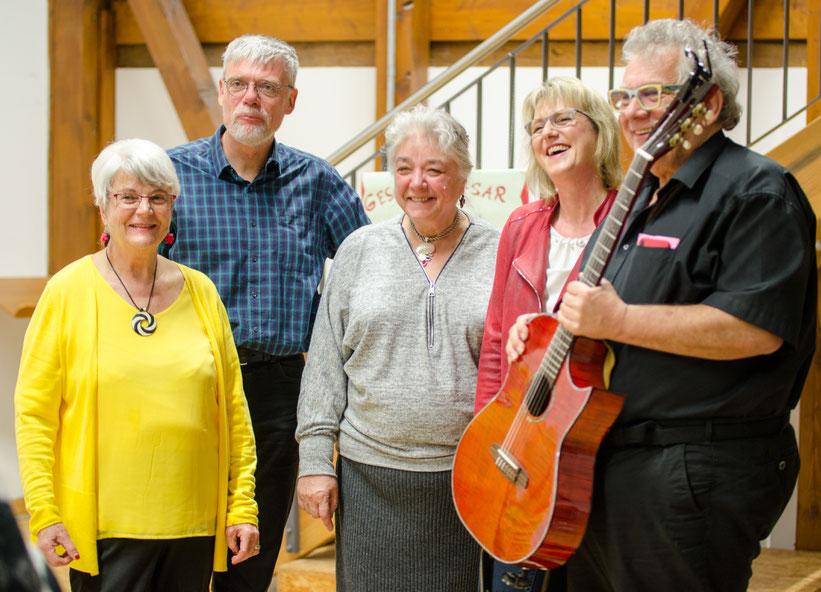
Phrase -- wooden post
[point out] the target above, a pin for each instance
(413, 36)
(77, 43)
(813, 64)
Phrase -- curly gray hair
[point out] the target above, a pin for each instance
(437, 124)
(660, 35)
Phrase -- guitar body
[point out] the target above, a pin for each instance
(540, 523)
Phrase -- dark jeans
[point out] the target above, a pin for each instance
(272, 391)
(149, 565)
(683, 517)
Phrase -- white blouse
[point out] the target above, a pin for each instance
(561, 258)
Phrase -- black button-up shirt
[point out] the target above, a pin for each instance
(733, 230)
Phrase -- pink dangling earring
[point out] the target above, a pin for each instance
(169, 239)
(105, 237)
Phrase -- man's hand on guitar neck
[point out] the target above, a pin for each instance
(594, 312)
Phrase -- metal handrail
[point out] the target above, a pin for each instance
(473, 57)
(509, 60)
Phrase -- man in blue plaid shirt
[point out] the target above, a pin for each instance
(260, 218)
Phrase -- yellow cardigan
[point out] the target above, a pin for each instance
(56, 412)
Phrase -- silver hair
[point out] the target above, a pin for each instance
(572, 92)
(660, 35)
(140, 159)
(436, 124)
(261, 49)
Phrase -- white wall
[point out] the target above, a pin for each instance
(23, 168)
(333, 105)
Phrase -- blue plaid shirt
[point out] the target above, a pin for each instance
(263, 243)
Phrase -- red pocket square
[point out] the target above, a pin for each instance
(657, 241)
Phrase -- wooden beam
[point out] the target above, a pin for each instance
(413, 27)
(75, 42)
(380, 59)
(219, 21)
(808, 519)
(19, 296)
(728, 14)
(177, 52)
(814, 60)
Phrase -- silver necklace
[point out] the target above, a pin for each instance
(425, 251)
(143, 322)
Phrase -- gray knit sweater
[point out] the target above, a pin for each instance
(391, 371)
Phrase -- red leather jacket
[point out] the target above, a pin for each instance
(518, 285)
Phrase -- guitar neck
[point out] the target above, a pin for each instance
(614, 222)
(599, 257)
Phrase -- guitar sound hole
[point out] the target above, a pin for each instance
(538, 396)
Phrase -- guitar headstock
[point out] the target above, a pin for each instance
(682, 113)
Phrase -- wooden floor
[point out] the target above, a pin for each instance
(775, 570)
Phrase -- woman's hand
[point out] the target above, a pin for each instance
(243, 540)
(517, 336)
(317, 495)
(53, 536)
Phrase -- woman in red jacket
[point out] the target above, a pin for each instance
(574, 167)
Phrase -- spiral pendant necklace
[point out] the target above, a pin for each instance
(143, 322)
(425, 251)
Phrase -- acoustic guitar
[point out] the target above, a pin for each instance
(523, 470)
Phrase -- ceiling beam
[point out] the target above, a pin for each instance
(179, 57)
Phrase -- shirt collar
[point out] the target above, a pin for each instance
(223, 168)
(701, 160)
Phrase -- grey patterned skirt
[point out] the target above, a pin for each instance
(397, 531)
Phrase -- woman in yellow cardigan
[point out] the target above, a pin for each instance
(135, 444)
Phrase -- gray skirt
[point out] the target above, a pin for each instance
(397, 531)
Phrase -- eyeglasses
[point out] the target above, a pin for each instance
(559, 119)
(236, 87)
(649, 96)
(132, 201)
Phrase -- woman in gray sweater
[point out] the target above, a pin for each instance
(391, 373)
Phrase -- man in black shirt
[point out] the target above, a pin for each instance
(709, 304)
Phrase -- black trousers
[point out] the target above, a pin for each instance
(137, 565)
(272, 390)
(683, 517)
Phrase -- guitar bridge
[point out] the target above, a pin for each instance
(511, 469)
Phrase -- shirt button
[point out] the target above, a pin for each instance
(253, 223)
(625, 247)
(256, 329)
(254, 259)
(253, 294)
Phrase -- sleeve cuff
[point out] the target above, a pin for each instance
(316, 454)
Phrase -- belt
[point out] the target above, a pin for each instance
(252, 356)
(652, 433)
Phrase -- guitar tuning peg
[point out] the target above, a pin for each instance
(686, 124)
(698, 110)
(675, 140)
(710, 114)
(698, 130)
(687, 145)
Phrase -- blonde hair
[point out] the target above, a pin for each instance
(572, 92)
